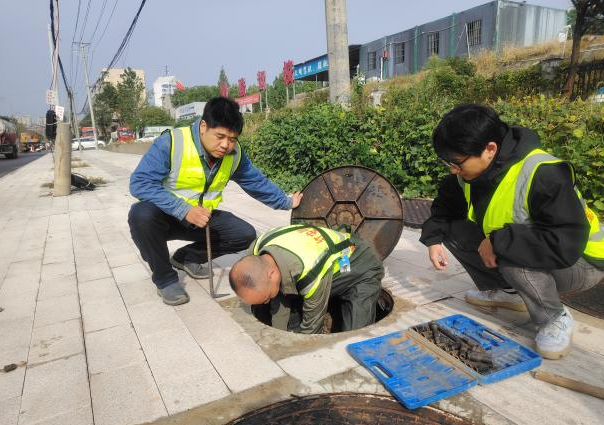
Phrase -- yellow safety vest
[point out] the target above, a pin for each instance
(318, 248)
(509, 203)
(187, 179)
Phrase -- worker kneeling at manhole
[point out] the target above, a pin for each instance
(303, 265)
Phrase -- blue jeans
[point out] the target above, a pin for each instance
(151, 229)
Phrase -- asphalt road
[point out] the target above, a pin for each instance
(8, 165)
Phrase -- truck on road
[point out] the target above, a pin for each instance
(9, 143)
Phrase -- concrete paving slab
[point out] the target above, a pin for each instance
(54, 271)
(130, 273)
(228, 347)
(138, 292)
(54, 388)
(104, 313)
(184, 375)
(123, 259)
(112, 348)
(125, 396)
(92, 269)
(9, 411)
(333, 360)
(17, 306)
(11, 383)
(57, 309)
(56, 341)
(81, 416)
(96, 290)
(58, 251)
(23, 269)
(29, 254)
(18, 285)
(152, 317)
(58, 287)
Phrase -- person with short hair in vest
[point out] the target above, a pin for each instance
(179, 183)
(295, 271)
(512, 215)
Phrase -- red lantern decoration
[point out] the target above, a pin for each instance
(261, 80)
(241, 87)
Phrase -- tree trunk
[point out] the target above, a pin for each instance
(574, 57)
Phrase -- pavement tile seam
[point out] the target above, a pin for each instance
(135, 332)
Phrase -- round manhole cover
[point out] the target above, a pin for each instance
(358, 198)
(333, 318)
(345, 409)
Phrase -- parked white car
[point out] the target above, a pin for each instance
(87, 143)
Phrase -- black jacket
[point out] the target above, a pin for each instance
(559, 232)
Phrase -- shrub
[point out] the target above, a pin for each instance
(293, 146)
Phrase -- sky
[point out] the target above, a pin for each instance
(193, 38)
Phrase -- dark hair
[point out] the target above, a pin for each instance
(466, 130)
(223, 112)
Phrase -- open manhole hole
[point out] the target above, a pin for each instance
(333, 318)
(345, 409)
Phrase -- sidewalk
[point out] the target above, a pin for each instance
(94, 344)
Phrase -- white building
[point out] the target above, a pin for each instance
(190, 110)
(163, 86)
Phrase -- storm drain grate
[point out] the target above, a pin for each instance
(416, 211)
(589, 302)
(345, 409)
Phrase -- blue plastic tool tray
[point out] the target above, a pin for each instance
(418, 373)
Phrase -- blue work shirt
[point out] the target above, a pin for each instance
(146, 182)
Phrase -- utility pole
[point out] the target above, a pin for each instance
(54, 64)
(337, 51)
(62, 181)
(82, 47)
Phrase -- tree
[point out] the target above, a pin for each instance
(222, 78)
(153, 116)
(105, 107)
(195, 94)
(129, 98)
(589, 19)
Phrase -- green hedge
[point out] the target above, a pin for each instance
(293, 146)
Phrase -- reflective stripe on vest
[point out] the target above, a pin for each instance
(318, 248)
(187, 178)
(509, 203)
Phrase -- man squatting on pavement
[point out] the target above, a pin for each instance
(179, 184)
(312, 264)
(514, 218)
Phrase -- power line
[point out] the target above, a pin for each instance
(75, 30)
(99, 21)
(85, 21)
(106, 25)
(123, 45)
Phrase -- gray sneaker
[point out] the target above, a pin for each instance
(173, 294)
(195, 270)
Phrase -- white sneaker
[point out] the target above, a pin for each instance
(553, 340)
(496, 298)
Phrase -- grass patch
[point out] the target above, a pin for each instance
(98, 181)
(79, 164)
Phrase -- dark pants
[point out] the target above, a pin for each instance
(357, 291)
(151, 229)
(538, 288)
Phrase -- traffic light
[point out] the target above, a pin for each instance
(51, 125)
